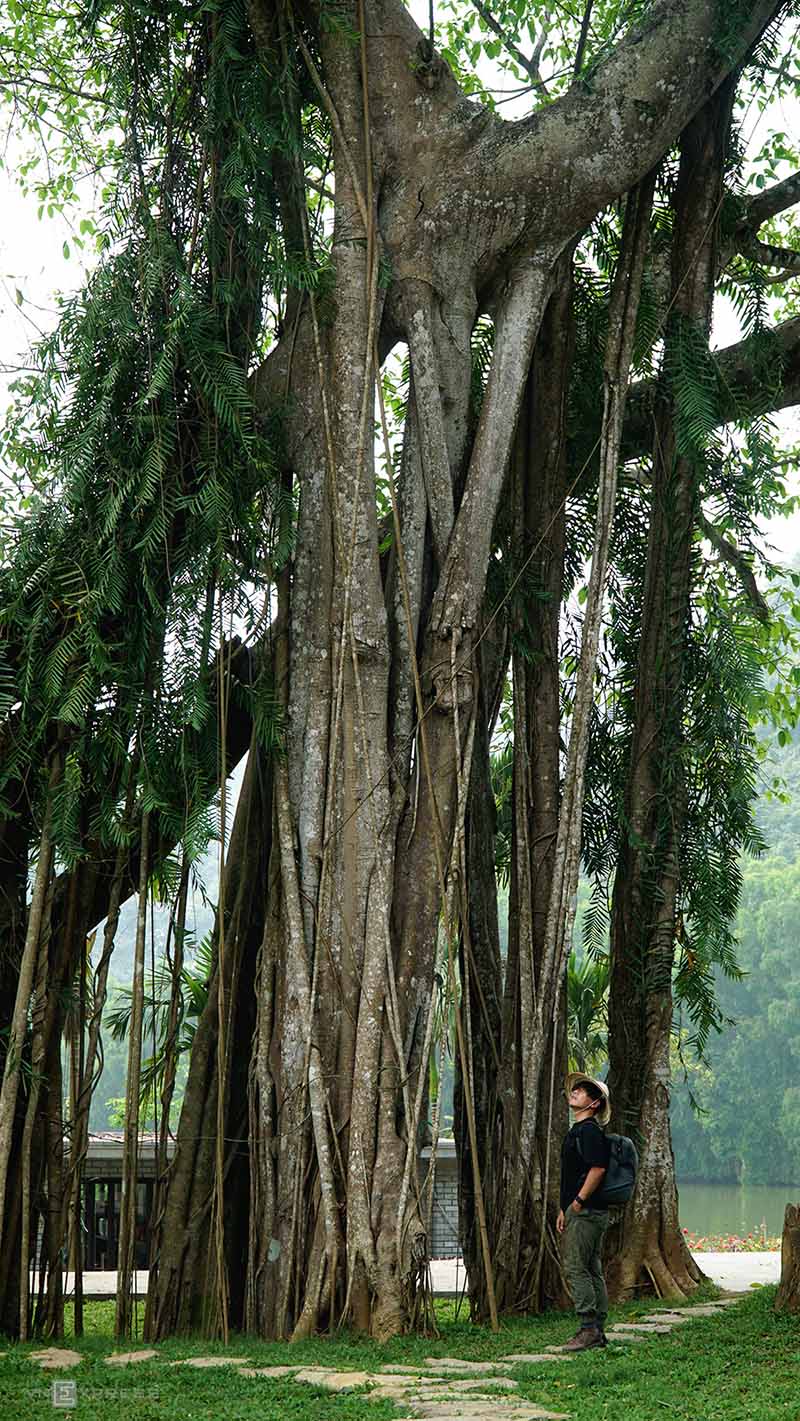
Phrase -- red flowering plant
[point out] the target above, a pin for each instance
(758, 1242)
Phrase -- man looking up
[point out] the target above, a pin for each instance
(584, 1161)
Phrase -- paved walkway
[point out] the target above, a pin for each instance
(441, 1388)
(734, 1271)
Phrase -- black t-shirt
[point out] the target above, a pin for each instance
(576, 1162)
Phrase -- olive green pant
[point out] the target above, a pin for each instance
(583, 1263)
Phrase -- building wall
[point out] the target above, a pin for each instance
(444, 1223)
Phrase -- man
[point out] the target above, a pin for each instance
(584, 1160)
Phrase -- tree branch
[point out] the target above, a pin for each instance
(772, 201)
(738, 561)
(741, 367)
(785, 258)
(598, 140)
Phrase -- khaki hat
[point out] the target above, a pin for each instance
(603, 1115)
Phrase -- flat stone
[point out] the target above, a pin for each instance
(268, 1371)
(554, 1355)
(53, 1359)
(405, 1386)
(451, 1391)
(331, 1380)
(641, 1327)
(125, 1359)
(471, 1410)
(401, 1386)
(211, 1362)
(702, 1310)
(458, 1364)
(673, 1318)
(402, 1370)
(474, 1384)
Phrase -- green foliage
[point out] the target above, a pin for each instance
(746, 1089)
(194, 980)
(587, 1011)
(154, 520)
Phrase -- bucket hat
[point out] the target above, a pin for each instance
(603, 1114)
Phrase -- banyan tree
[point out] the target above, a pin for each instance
(385, 444)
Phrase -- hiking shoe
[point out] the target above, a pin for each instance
(584, 1338)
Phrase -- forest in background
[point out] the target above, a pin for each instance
(749, 1087)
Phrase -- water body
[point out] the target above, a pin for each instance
(734, 1208)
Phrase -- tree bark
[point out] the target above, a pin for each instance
(538, 473)
(355, 900)
(179, 1296)
(788, 1296)
(25, 985)
(130, 1150)
(646, 1250)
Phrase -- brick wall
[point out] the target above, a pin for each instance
(444, 1223)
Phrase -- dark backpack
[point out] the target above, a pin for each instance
(620, 1177)
(623, 1164)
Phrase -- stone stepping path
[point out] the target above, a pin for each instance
(531, 1358)
(201, 1362)
(443, 1387)
(53, 1359)
(455, 1364)
(127, 1359)
(438, 1389)
(661, 1323)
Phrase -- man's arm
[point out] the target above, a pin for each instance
(592, 1182)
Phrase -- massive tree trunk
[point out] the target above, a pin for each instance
(442, 212)
(528, 1270)
(646, 1249)
(14, 841)
(788, 1295)
(365, 816)
(182, 1290)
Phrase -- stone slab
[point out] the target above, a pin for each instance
(556, 1355)
(268, 1371)
(473, 1385)
(473, 1411)
(54, 1359)
(702, 1310)
(201, 1362)
(407, 1378)
(126, 1359)
(331, 1380)
(642, 1327)
(459, 1364)
(402, 1370)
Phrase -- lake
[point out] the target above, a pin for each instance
(733, 1208)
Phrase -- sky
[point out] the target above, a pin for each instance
(32, 263)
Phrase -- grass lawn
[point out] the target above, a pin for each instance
(742, 1366)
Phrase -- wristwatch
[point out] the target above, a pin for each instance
(579, 1200)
